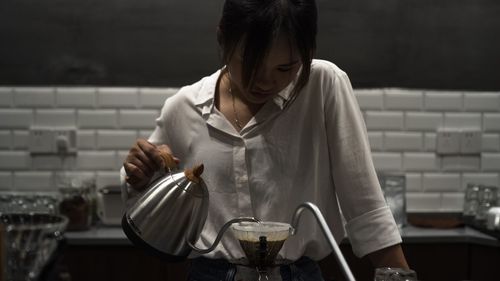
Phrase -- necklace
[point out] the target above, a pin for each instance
(236, 119)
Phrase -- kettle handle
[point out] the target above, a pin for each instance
(221, 232)
(169, 161)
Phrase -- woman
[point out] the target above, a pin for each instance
(274, 128)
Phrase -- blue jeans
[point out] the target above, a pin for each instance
(203, 269)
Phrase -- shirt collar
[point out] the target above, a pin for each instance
(206, 95)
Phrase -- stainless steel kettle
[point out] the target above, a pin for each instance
(168, 218)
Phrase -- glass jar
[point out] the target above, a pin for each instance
(471, 201)
(487, 199)
(76, 205)
(394, 190)
(394, 274)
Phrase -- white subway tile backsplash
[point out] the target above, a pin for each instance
(420, 161)
(145, 134)
(430, 141)
(33, 181)
(461, 163)
(384, 120)
(86, 139)
(6, 181)
(480, 178)
(55, 117)
(403, 141)
(76, 97)
(490, 142)
(96, 160)
(46, 162)
(482, 101)
(423, 202)
(6, 97)
(5, 139)
(97, 119)
(105, 178)
(15, 118)
(370, 98)
(491, 122)
(401, 99)
(441, 182)
(138, 119)
(120, 158)
(452, 202)
(490, 161)
(34, 97)
(155, 97)
(20, 139)
(462, 120)
(376, 140)
(423, 121)
(413, 182)
(115, 139)
(14, 160)
(443, 101)
(402, 126)
(118, 97)
(385, 161)
(73, 178)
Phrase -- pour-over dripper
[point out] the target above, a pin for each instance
(261, 241)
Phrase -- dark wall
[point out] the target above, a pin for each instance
(441, 44)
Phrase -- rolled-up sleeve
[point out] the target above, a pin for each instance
(372, 231)
(370, 225)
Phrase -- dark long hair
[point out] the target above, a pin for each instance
(258, 22)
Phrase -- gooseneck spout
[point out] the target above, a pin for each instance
(219, 235)
(326, 231)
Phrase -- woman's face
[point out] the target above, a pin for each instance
(277, 70)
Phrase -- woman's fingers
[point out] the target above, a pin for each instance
(152, 153)
(135, 176)
(143, 160)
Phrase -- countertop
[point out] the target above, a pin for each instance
(113, 235)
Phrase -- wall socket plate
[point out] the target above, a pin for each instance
(470, 141)
(52, 140)
(448, 141)
(458, 141)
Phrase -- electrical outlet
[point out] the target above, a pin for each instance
(53, 140)
(65, 140)
(41, 140)
(448, 141)
(470, 141)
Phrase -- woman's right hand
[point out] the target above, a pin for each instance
(143, 160)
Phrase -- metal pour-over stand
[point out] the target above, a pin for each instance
(261, 242)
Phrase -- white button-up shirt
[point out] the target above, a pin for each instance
(316, 149)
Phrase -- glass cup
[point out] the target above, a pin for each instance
(394, 274)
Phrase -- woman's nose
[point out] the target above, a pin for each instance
(265, 81)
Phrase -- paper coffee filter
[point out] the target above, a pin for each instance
(251, 231)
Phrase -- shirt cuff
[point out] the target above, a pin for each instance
(373, 231)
